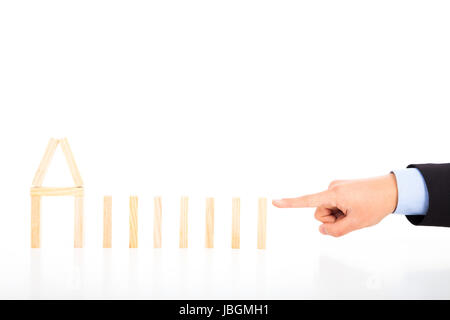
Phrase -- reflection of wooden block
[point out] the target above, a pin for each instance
(235, 224)
(209, 241)
(133, 222)
(71, 162)
(35, 222)
(45, 162)
(78, 236)
(184, 222)
(107, 222)
(157, 216)
(262, 218)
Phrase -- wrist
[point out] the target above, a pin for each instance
(391, 191)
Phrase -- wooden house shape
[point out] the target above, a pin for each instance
(38, 191)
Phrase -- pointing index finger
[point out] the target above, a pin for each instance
(307, 201)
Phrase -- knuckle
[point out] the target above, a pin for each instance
(332, 184)
(338, 191)
(316, 215)
(335, 195)
(337, 234)
(338, 188)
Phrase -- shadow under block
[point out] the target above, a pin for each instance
(235, 224)
(157, 215)
(209, 237)
(35, 221)
(133, 222)
(184, 222)
(107, 222)
(262, 219)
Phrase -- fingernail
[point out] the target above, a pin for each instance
(323, 230)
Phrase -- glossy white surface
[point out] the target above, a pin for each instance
(220, 274)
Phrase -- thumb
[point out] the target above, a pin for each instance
(338, 228)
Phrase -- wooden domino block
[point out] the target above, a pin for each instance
(157, 216)
(107, 222)
(133, 222)
(37, 191)
(55, 192)
(35, 221)
(184, 222)
(71, 162)
(45, 162)
(209, 238)
(235, 224)
(262, 219)
(78, 223)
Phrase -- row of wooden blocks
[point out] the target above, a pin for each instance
(209, 223)
(38, 191)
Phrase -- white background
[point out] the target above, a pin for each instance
(222, 99)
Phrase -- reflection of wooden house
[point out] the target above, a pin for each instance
(37, 191)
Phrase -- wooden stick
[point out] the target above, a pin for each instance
(35, 222)
(133, 222)
(235, 224)
(262, 219)
(45, 162)
(184, 222)
(157, 216)
(107, 222)
(71, 162)
(50, 191)
(78, 230)
(209, 239)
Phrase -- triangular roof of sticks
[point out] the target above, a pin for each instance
(46, 159)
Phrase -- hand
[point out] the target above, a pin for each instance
(349, 205)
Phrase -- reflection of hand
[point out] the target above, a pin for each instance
(349, 205)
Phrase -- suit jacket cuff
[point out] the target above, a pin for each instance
(437, 179)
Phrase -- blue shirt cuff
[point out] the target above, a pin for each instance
(412, 192)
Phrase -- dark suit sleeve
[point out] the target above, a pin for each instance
(437, 179)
